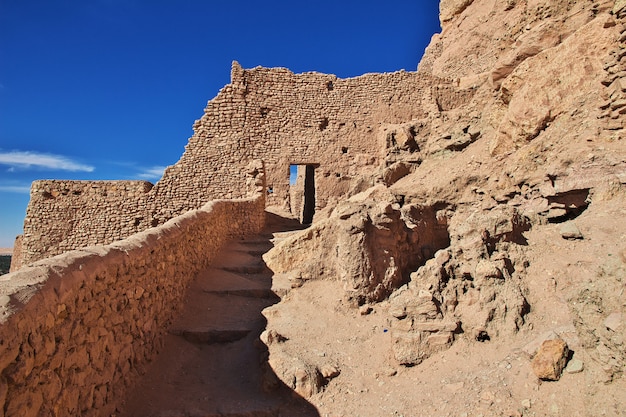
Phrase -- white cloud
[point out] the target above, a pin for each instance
(20, 189)
(153, 173)
(26, 159)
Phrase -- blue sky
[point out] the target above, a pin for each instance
(109, 89)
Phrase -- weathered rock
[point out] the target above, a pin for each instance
(369, 243)
(550, 360)
(620, 6)
(531, 348)
(614, 321)
(398, 137)
(570, 231)
(271, 336)
(448, 9)
(574, 366)
(329, 371)
(486, 270)
(305, 379)
(365, 310)
(396, 171)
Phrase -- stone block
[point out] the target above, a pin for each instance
(570, 231)
(550, 360)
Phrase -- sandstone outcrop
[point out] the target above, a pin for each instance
(510, 179)
(369, 243)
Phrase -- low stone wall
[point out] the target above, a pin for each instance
(16, 257)
(78, 328)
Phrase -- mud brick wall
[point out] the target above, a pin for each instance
(79, 327)
(269, 115)
(284, 118)
(66, 215)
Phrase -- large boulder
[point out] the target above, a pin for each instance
(370, 243)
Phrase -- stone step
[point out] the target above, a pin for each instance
(274, 412)
(211, 336)
(245, 269)
(240, 261)
(212, 362)
(219, 280)
(256, 252)
(286, 234)
(250, 293)
(209, 310)
(261, 241)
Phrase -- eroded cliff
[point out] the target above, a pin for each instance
(496, 223)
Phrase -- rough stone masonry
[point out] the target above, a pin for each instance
(339, 128)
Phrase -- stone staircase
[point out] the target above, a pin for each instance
(212, 362)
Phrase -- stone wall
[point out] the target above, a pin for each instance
(16, 257)
(272, 115)
(285, 118)
(78, 328)
(66, 215)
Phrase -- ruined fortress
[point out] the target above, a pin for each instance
(474, 205)
(265, 119)
(342, 134)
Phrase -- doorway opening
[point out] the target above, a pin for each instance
(302, 191)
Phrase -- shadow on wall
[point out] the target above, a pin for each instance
(213, 361)
(79, 328)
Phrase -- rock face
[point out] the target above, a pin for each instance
(369, 243)
(470, 286)
(494, 219)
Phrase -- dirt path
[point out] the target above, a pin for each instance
(212, 362)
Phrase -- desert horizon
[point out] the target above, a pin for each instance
(6, 251)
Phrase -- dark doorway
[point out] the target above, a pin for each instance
(302, 192)
(308, 211)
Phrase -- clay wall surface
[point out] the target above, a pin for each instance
(66, 215)
(79, 327)
(285, 118)
(272, 115)
(16, 256)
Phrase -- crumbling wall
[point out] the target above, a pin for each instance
(66, 215)
(16, 257)
(264, 114)
(285, 118)
(78, 328)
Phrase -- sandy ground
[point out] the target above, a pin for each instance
(492, 378)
